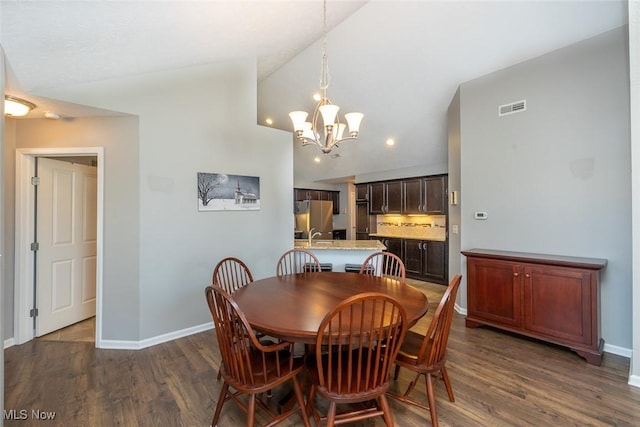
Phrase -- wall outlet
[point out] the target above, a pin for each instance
(454, 229)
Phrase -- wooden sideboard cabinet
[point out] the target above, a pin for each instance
(548, 297)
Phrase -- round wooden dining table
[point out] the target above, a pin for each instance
(292, 307)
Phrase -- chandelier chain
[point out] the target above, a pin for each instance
(324, 73)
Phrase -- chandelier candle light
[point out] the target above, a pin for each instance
(333, 134)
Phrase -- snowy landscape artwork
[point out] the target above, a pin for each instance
(220, 192)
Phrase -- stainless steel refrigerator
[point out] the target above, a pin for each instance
(316, 215)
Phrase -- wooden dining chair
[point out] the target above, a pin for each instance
(297, 261)
(349, 365)
(231, 274)
(248, 366)
(427, 354)
(384, 264)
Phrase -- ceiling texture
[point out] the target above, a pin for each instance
(398, 62)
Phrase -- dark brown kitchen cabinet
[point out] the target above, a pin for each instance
(362, 221)
(385, 197)
(393, 244)
(362, 192)
(334, 196)
(377, 197)
(548, 297)
(340, 234)
(301, 194)
(425, 195)
(435, 194)
(412, 189)
(426, 260)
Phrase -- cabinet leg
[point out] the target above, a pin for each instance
(592, 357)
(471, 323)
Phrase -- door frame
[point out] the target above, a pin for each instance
(24, 235)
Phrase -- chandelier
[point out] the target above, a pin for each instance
(333, 131)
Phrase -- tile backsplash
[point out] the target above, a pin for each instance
(429, 227)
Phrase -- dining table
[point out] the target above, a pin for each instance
(291, 307)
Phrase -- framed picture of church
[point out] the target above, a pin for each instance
(222, 192)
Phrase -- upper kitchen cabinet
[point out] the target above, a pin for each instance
(412, 189)
(426, 195)
(435, 194)
(363, 219)
(362, 193)
(302, 194)
(385, 197)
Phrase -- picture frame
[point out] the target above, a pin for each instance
(225, 192)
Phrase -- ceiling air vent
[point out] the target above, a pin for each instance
(513, 107)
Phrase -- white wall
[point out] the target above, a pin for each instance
(453, 181)
(197, 119)
(8, 210)
(634, 65)
(2, 247)
(555, 179)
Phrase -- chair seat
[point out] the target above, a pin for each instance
(343, 396)
(270, 366)
(410, 348)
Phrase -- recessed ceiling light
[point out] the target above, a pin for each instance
(317, 97)
(269, 121)
(316, 159)
(390, 142)
(51, 115)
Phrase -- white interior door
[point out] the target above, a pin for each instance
(66, 233)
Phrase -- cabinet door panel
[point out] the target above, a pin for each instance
(334, 196)
(362, 192)
(394, 197)
(435, 261)
(435, 195)
(412, 189)
(412, 256)
(555, 303)
(377, 199)
(494, 291)
(362, 217)
(394, 246)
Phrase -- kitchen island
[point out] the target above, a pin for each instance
(341, 252)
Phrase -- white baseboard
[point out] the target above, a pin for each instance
(634, 380)
(460, 310)
(620, 351)
(148, 342)
(9, 343)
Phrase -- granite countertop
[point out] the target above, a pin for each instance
(390, 236)
(344, 245)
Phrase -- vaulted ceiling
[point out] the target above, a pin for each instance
(398, 62)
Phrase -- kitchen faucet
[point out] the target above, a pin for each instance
(312, 235)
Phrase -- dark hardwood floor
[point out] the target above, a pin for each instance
(498, 380)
